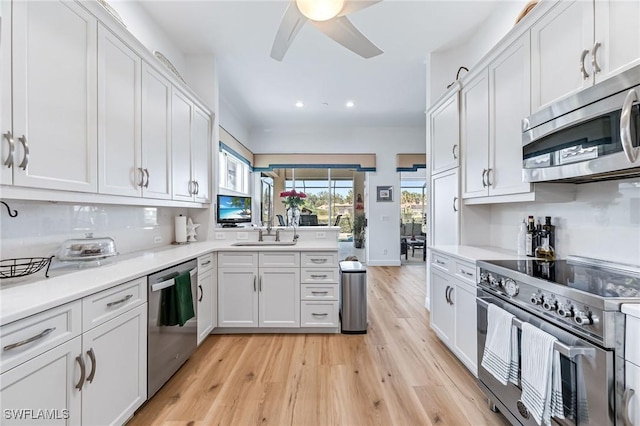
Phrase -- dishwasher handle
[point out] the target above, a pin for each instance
(169, 283)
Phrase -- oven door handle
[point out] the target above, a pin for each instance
(566, 350)
(168, 283)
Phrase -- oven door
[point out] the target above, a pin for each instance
(587, 379)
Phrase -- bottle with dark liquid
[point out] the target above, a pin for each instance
(530, 239)
(550, 230)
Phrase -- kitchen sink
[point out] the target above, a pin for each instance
(264, 243)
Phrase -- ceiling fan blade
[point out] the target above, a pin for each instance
(344, 32)
(351, 6)
(292, 23)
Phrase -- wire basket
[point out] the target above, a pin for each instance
(13, 268)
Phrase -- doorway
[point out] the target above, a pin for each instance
(413, 217)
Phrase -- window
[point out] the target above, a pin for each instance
(234, 173)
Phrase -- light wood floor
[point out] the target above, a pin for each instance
(397, 374)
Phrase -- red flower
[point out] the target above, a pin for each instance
(293, 193)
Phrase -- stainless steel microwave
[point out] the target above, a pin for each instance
(592, 135)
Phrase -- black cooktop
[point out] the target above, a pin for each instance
(596, 279)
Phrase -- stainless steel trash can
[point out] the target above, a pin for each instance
(353, 297)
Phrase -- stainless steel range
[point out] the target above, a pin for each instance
(577, 300)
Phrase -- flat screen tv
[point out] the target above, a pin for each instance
(233, 209)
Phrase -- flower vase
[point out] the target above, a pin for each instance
(293, 216)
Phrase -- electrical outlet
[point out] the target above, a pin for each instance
(242, 236)
(220, 235)
(384, 251)
(321, 235)
(157, 240)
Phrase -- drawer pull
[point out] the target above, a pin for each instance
(440, 262)
(206, 263)
(316, 293)
(29, 340)
(463, 272)
(319, 315)
(319, 276)
(319, 260)
(117, 302)
(80, 361)
(92, 357)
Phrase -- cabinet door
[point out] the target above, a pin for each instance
(156, 134)
(201, 146)
(237, 297)
(632, 381)
(54, 95)
(7, 144)
(618, 32)
(206, 302)
(45, 382)
(558, 42)
(115, 354)
(445, 224)
(464, 305)
(445, 135)
(279, 297)
(119, 80)
(475, 136)
(442, 314)
(509, 82)
(182, 184)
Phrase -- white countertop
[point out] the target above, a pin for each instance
(631, 309)
(474, 253)
(26, 296)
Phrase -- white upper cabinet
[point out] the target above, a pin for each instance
(119, 136)
(475, 135)
(579, 43)
(618, 33)
(201, 148)
(54, 96)
(156, 134)
(7, 143)
(444, 133)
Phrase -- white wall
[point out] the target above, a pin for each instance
(383, 232)
(234, 123)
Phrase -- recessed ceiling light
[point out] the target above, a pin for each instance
(299, 104)
(350, 104)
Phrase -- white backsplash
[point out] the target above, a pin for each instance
(41, 227)
(603, 222)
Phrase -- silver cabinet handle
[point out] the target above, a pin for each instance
(594, 58)
(446, 294)
(29, 340)
(469, 274)
(319, 260)
(455, 199)
(92, 357)
(489, 183)
(484, 176)
(626, 398)
(318, 276)
(25, 159)
(12, 147)
(197, 185)
(453, 151)
(141, 184)
(80, 361)
(625, 126)
(583, 70)
(316, 293)
(189, 188)
(201, 293)
(146, 172)
(254, 283)
(319, 315)
(260, 283)
(440, 262)
(206, 263)
(117, 302)
(450, 291)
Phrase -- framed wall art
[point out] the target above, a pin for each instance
(384, 193)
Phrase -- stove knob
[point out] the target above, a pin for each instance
(565, 311)
(583, 318)
(536, 299)
(550, 305)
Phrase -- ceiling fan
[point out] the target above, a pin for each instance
(330, 17)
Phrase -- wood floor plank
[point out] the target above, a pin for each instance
(399, 373)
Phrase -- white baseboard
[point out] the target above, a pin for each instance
(384, 263)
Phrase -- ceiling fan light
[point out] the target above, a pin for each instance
(320, 10)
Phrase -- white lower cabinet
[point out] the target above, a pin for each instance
(279, 297)
(453, 307)
(207, 290)
(97, 377)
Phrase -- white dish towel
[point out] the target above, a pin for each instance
(541, 375)
(500, 357)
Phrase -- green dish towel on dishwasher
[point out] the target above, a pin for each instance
(176, 302)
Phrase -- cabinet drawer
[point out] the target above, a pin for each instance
(319, 292)
(632, 348)
(108, 304)
(278, 259)
(319, 259)
(440, 261)
(31, 336)
(206, 262)
(319, 314)
(320, 275)
(465, 271)
(238, 259)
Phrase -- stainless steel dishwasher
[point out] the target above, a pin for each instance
(168, 346)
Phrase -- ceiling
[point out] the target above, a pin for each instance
(388, 90)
